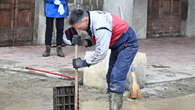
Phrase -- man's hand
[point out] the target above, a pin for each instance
(78, 63)
(76, 40)
(87, 43)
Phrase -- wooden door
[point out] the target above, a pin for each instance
(23, 27)
(164, 18)
(16, 26)
(6, 22)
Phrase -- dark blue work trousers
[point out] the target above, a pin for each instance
(122, 54)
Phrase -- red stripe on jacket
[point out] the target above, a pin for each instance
(119, 27)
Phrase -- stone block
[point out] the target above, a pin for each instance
(95, 76)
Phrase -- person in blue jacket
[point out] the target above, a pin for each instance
(55, 9)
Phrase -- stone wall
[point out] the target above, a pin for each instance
(140, 18)
(190, 22)
(134, 12)
(121, 8)
(90, 4)
(39, 24)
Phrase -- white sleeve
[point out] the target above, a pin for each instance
(103, 38)
(66, 41)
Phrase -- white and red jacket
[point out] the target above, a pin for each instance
(106, 29)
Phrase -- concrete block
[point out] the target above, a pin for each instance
(139, 63)
(95, 76)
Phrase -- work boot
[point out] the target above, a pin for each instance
(115, 101)
(59, 51)
(47, 51)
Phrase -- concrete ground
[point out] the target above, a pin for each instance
(170, 72)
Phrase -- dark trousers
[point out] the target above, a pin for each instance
(49, 30)
(121, 58)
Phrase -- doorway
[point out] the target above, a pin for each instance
(16, 22)
(164, 18)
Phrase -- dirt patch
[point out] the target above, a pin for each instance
(29, 92)
(170, 73)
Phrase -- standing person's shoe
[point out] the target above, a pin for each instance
(47, 51)
(115, 101)
(59, 51)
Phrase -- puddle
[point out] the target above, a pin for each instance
(179, 103)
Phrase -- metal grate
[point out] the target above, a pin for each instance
(63, 98)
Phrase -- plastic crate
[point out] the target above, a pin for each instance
(63, 98)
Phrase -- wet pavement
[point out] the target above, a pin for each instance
(170, 77)
(179, 103)
(169, 52)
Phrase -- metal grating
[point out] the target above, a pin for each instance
(63, 98)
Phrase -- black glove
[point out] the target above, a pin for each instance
(76, 40)
(87, 42)
(78, 63)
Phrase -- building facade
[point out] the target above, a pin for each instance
(23, 21)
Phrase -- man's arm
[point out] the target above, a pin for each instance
(103, 37)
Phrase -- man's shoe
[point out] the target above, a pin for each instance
(47, 51)
(59, 51)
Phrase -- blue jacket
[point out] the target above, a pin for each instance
(51, 10)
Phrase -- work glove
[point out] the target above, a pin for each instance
(76, 40)
(61, 9)
(87, 43)
(78, 63)
(57, 2)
